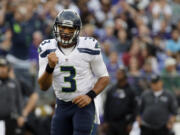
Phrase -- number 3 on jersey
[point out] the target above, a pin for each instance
(70, 79)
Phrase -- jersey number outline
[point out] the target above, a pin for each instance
(45, 41)
(70, 79)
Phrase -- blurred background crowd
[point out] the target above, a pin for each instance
(141, 35)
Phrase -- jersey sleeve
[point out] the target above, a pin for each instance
(97, 64)
(43, 61)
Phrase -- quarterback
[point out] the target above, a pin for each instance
(73, 65)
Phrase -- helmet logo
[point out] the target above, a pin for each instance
(67, 23)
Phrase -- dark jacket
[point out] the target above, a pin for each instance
(120, 105)
(155, 110)
(10, 99)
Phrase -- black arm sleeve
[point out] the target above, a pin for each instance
(134, 107)
(173, 106)
(107, 106)
(141, 104)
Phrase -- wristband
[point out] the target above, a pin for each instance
(49, 69)
(91, 94)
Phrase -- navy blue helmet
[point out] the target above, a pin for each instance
(67, 18)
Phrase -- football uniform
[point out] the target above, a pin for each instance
(77, 72)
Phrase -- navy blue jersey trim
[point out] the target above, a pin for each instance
(45, 53)
(89, 51)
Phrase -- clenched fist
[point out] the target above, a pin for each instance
(52, 59)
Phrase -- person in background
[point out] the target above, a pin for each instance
(148, 54)
(120, 106)
(164, 31)
(67, 4)
(109, 33)
(106, 51)
(170, 67)
(5, 32)
(88, 30)
(175, 11)
(170, 77)
(113, 66)
(10, 99)
(29, 100)
(21, 39)
(134, 52)
(157, 110)
(145, 74)
(161, 10)
(33, 50)
(123, 43)
(173, 45)
(134, 75)
(33, 53)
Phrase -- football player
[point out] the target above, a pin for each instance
(73, 65)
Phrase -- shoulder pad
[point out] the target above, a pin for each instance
(90, 42)
(89, 45)
(46, 47)
(47, 42)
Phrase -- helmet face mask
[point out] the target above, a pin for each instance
(67, 28)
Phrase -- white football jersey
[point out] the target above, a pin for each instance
(76, 73)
